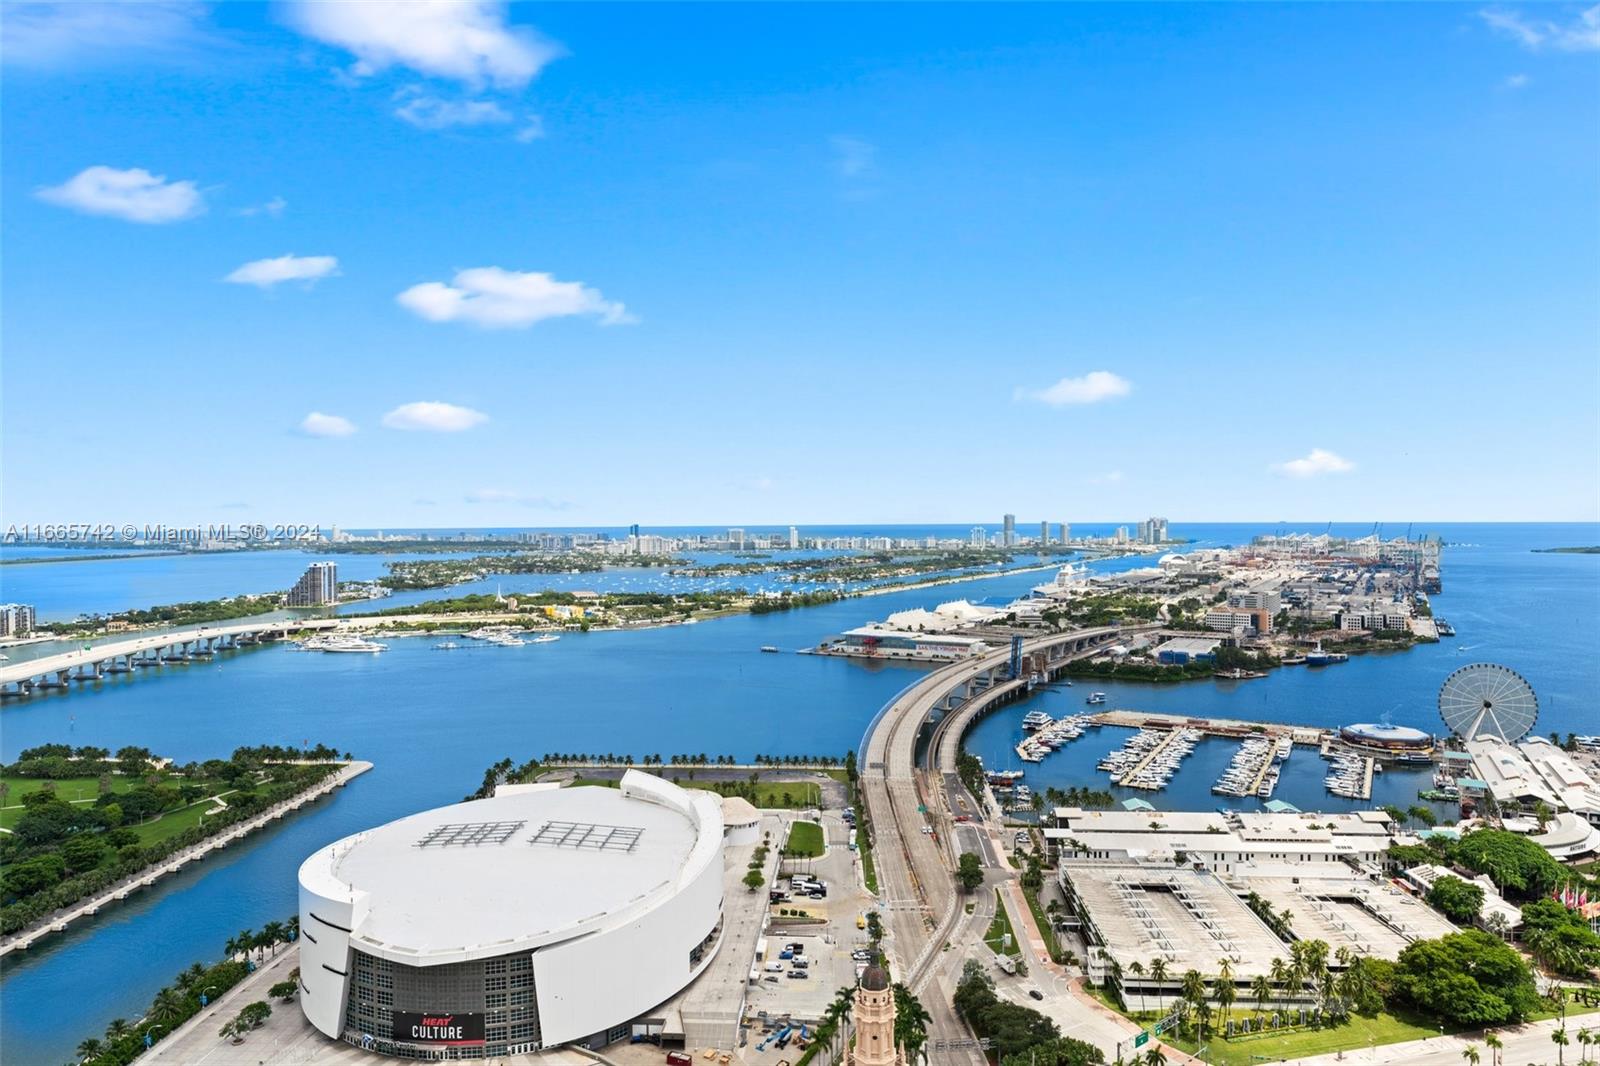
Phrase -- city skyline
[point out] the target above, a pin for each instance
(575, 270)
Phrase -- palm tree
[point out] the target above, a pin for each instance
(1495, 1046)
(1225, 990)
(89, 1048)
(1559, 1038)
(117, 1029)
(1194, 990)
(1585, 1038)
(274, 933)
(1261, 989)
(168, 1007)
(1153, 1057)
(1137, 969)
(1158, 973)
(1470, 1053)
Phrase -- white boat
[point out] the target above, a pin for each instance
(1096, 697)
(447, 645)
(547, 638)
(343, 645)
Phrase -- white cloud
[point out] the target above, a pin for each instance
(1093, 387)
(1110, 477)
(522, 499)
(1515, 81)
(434, 417)
(1579, 34)
(266, 273)
(467, 41)
(1320, 461)
(532, 130)
(854, 157)
(135, 195)
(317, 424)
(55, 34)
(273, 208)
(507, 299)
(433, 113)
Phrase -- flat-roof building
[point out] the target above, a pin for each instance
(1226, 843)
(500, 926)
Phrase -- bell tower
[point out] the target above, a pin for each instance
(874, 1022)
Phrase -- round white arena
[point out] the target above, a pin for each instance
(536, 918)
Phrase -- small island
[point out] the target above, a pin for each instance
(1591, 549)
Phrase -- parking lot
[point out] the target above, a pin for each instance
(827, 933)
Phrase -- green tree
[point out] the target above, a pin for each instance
(284, 990)
(969, 871)
(1225, 990)
(754, 879)
(1468, 978)
(1460, 901)
(1261, 991)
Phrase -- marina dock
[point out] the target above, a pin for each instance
(1215, 727)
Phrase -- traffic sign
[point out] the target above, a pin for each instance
(1142, 1039)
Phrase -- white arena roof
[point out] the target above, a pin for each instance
(519, 870)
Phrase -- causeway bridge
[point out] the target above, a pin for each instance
(128, 654)
(915, 867)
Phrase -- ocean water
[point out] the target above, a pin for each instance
(433, 720)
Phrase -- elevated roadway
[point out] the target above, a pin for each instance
(912, 825)
(128, 653)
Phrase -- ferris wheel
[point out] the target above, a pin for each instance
(1486, 699)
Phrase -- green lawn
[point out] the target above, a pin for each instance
(999, 929)
(172, 822)
(1360, 1032)
(1042, 920)
(805, 841)
(70, 790)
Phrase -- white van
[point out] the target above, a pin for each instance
(774, 967)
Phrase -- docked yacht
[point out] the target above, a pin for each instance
(343, 644)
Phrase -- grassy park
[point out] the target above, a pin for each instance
(805, 841)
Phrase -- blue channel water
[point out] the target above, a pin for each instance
(432, 720)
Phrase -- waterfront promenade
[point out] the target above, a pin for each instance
(59, 921)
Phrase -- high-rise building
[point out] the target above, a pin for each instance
(794, 538)
(1044, 533)
(1063, 532)
(16, 619)
(736, 538)
(317, 587)
(1009, 535)
(633, 530)
(1153, 531)
(978, 537)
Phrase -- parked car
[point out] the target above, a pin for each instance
(801, 974)
(1035, 993)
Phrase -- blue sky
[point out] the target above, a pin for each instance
(570, 264)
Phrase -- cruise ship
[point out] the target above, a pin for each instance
(1035, 720)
